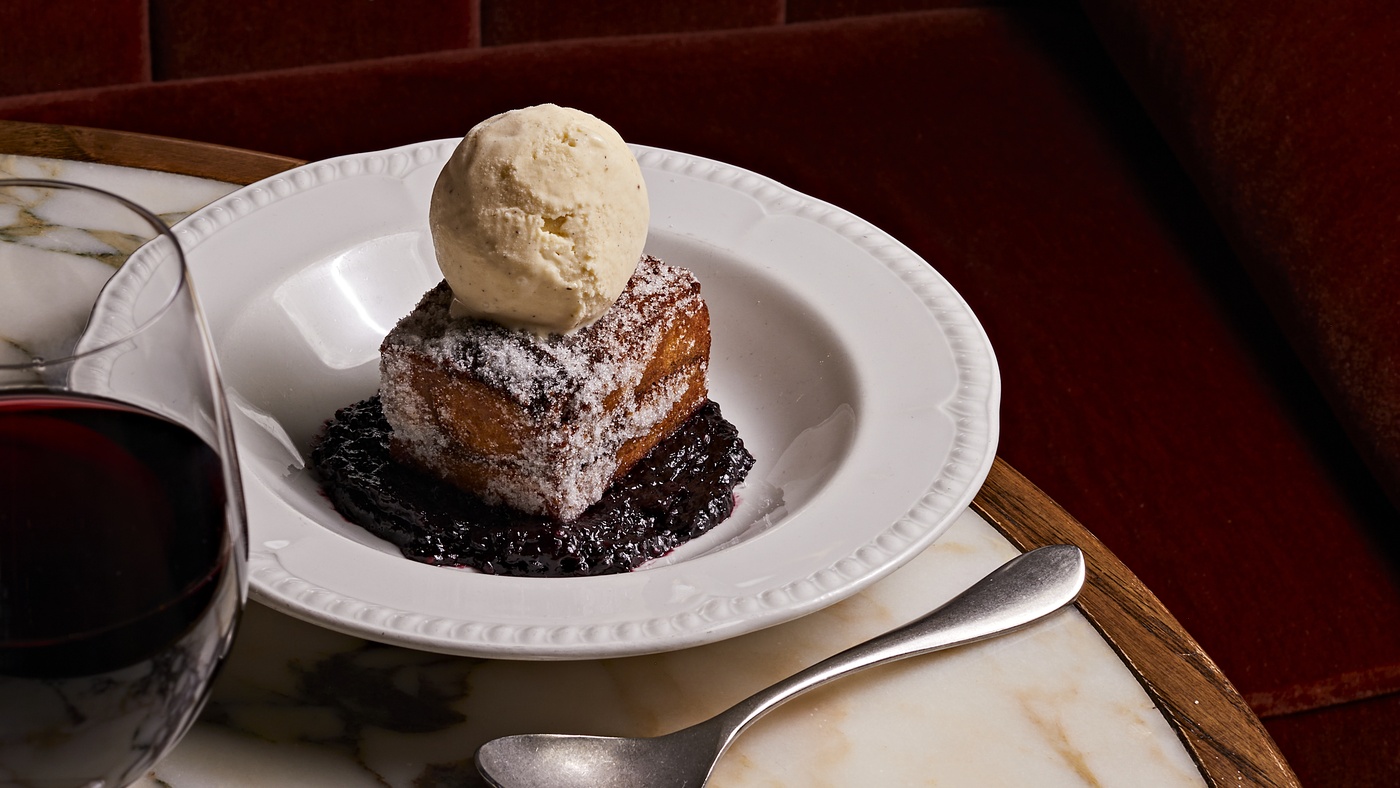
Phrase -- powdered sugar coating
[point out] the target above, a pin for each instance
(578, 397)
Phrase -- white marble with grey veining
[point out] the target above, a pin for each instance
(61, 246)
(1048, 706)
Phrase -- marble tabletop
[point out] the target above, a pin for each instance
(1053, 704)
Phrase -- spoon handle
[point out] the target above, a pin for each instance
(1023, 590)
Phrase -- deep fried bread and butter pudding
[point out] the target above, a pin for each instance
(545, 424)
(544, 410)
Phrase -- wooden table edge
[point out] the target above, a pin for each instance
(140, 151)
(1224, 736)
(1229, 743)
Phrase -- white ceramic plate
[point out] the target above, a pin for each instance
(856, 375)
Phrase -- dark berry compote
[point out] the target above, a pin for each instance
(119, 587)
(680, 490)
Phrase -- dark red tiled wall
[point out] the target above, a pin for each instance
(809, 10)
(62, 44)
(519, 21)
(201, 38)
(51, 45)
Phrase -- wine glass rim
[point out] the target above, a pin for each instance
(156, 223)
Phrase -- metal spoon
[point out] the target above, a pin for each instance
(1022, 591)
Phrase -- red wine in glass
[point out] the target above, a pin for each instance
(118, 586)
(122, 542)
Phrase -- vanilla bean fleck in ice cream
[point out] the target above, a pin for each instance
(538, 219)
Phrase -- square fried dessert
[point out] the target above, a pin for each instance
(543, 411)
(545, 423)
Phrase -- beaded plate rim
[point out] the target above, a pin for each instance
(973, 409)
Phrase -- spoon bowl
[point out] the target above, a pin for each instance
(1020, 592)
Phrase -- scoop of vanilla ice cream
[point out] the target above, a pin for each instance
(538, 219)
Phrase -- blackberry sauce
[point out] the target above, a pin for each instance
(680, 490)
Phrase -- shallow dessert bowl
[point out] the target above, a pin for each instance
(859, 379)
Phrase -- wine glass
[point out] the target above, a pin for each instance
(123, 548)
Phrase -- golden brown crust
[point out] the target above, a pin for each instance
(546, 424)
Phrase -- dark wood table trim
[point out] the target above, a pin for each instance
(1229, 743)
(125, 149)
